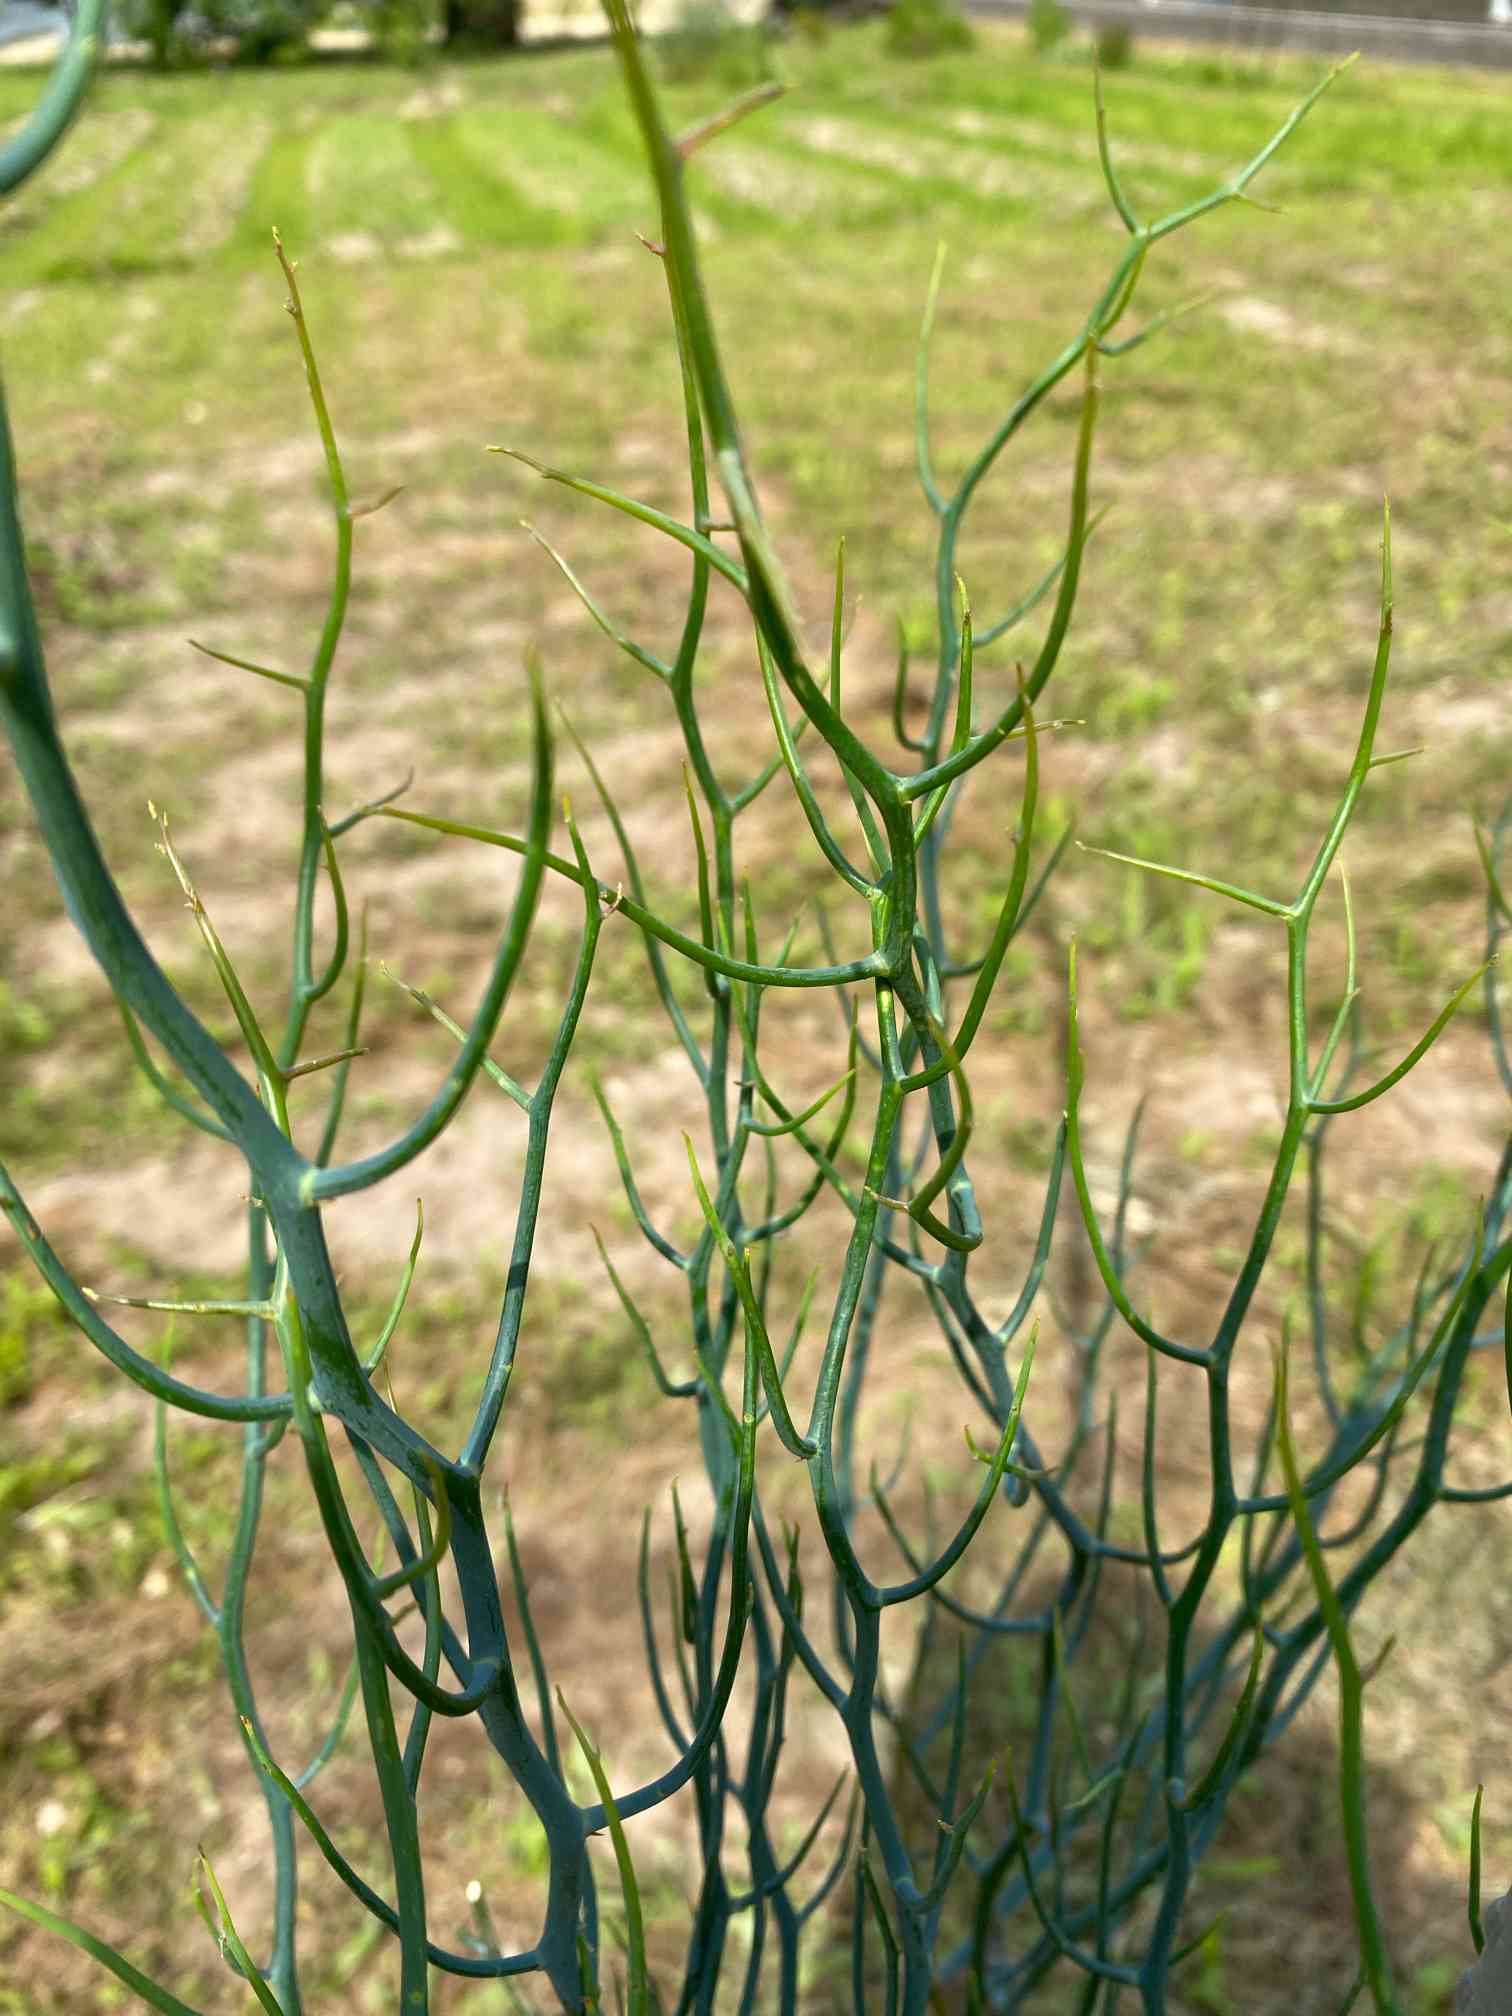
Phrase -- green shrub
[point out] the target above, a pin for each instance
(1048, 23)
(809, 22)
(1138, 1678)
(1232, 72)
(708, 42)
(402, 29)
(927, 28)
(156, 22)
(1115, 45)
(258, 31)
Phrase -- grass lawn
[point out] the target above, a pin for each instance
(471, 273)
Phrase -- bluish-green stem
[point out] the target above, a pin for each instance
(502, 1359)
(401, 1821)
(305, 986)
(769, 1882)
(1351, 1717)
(1112, 305)
(491, 1694)
(283, 1970)
(856, 1705)
(865, 1599)
(399, 1812)
(96, 908)
(1110, 1900)
(1295, 1644)
(765, 590)
(650, 939)
(837, 1591)
(721, 809)
(719, 1683)
(93, 902)
(894, 901)
(713, 960)
(712, 1792)
(867, 1311)
(1304, 1081)
(305, 990)
(51, 116)
(282, 1175)
(1223, 1496)
(318, 1186)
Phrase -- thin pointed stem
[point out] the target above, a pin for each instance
(1418, 1051)
(647, 659)
(693, 137)
(1104, 154)
(927, 481)
(1144, 1331)
(296, 680)
(1228, 889)
(319, 1185)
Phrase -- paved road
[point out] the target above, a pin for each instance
(29, 30)
(20, 20)
(1480, 44)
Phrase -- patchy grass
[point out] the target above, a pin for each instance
(471, 274)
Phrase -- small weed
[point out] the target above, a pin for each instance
(30, 1322)
(1228, 72)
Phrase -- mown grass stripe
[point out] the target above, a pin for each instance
(72, 232)
(769, 179)
(477, 196)
(1031, 161)
(567, 168)
(277, 195)
(176, 196)
(364, 183)
(913, 171)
